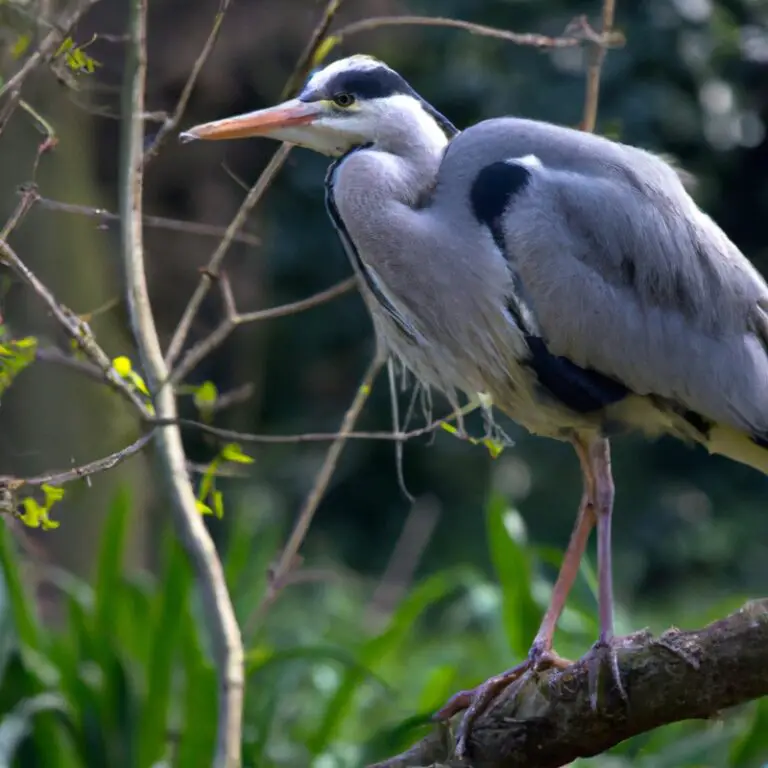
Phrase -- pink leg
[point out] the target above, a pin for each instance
(541, 655)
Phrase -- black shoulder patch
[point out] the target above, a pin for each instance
(761, 440)
(580, 389)
(491, 192)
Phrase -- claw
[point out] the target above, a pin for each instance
(596, 659)
(477, 700)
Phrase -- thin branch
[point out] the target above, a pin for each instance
(232, 319)
(597, 55)
(211, 270)
(305, 62)
(255, 438)
(61, 477)
(172, 122)
(578, 36)
(48, 47)
(160, 222)
(219, 615)
(254, 195)
(76, 329)
(290, 553)
(547, 720)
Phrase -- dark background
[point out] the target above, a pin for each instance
(691, 82)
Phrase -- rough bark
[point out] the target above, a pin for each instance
(548, 721)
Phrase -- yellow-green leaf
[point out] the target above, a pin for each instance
(494, 447)
(449, 428)
(123, 366)
(31, 514)
(66, 45)
(218, 504)
(138, 382)
(205, 395)
(52, 494)
(21, 45)
(203, 508)
(232, 452)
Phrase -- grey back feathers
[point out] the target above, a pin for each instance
(571, 277)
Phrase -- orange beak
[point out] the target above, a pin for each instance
(273, 122)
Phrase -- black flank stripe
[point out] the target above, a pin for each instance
(580, 389)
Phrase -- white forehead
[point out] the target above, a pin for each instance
(358, 63)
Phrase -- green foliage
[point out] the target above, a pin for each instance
(15, 356)
(75, 57)
(35, 514)
(332, 680)
(210, 501)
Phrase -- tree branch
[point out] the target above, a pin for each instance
(48, 47)
(219, 615)
(232, 319)
(289, 555)
(547, 721)
(172, 122)
(575, 34)
(160, 222)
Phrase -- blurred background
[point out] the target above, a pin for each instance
(399, 604)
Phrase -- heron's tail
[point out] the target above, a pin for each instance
(740, 447)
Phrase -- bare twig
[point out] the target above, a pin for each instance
(77, 473)
(304, 64)
(232, 435)
(48, 47)
(253, 197)
(76, 329)
(597, 56)
(519, 38)
(219, 615)
(232, 319)
(548, 720)
(160, 222)
(172, 122)
(291, 551)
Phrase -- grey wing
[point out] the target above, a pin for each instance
(626, 277)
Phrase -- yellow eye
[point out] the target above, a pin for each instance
(343, 99)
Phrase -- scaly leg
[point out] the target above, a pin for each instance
(541, 655)
(600, 461)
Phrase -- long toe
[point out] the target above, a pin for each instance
(604, 672)
(477, 700)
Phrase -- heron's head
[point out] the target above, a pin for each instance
(349, 103)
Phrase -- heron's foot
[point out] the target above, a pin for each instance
(477, 700)
(603, 658)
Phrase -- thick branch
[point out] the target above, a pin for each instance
(219, 616)
(547, 721)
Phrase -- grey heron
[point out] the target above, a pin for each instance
(570, 278)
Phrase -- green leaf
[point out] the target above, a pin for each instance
(520, 614)
(122, 366)
(114, 541)
(375, 651)
(16, 725)
(752, 747)
(165, 626)
(232, 452)
(22, 607)
(218, 504)
(205, 395)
